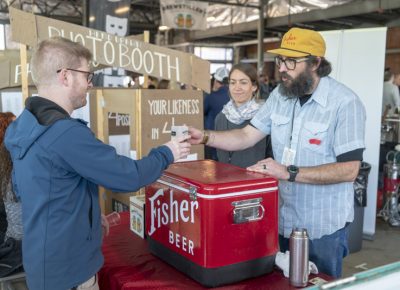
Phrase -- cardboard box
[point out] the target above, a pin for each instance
(137, 225)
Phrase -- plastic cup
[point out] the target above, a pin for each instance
(113, 219)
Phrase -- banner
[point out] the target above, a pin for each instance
(182, 14)
(115, 51)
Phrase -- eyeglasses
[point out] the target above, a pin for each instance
(89, 74)
(290, 63)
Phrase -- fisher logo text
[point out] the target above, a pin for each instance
(165, 211)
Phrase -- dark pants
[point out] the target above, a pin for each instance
(327, 252)
(210, 153)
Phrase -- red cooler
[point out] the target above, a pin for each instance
(216, 222)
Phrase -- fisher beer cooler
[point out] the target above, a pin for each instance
(215, 222)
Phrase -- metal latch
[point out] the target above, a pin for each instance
(247, 210)
(193, 193)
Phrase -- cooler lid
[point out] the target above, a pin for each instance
(211, 177)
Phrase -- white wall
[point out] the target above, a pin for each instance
(358, 59)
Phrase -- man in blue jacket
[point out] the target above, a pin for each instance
(213, 104)
(58, 165)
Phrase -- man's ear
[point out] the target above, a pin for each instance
(62, 77)
(317, 64)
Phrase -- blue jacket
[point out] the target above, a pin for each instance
(56, 172)
(213, 104)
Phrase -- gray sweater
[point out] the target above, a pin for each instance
(243, 158)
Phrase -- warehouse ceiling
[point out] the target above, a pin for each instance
(237, 20)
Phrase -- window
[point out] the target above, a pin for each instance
(2, 37)
(5, 38)
(217, 56)
(214, 53)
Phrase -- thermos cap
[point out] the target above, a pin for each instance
(299, 232)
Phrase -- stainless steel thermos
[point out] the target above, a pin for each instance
(298, 266)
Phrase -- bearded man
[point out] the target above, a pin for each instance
(317, 127)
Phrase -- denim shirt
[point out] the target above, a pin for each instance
(330, 123)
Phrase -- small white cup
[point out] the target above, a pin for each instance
(113, 219)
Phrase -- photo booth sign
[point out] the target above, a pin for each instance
(115, 51)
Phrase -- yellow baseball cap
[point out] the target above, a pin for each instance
(299, 42)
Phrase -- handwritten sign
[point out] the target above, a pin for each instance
(114, 50)
(118, 124)
(10, 70)
(162, 109)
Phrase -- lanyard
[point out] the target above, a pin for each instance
(292, 123)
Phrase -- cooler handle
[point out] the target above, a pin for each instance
(247, 211)
(181, 185)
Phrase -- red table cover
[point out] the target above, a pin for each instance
(129, 265)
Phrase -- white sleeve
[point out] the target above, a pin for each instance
(396, 96)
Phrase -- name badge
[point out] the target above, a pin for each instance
(288, 156)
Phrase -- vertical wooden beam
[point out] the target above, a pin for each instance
(138, 113)
(146, 38)
(138, 130)
(100, 114)
(24, 72)
(138, 121)
(100, 135)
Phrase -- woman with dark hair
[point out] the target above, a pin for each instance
(237, 113)
(10, 244)
(5, 120)
(5, 169)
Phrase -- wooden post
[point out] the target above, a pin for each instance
(100, 135)
(146, 38)
(138, 123)
(99, 114)
(138, 131)
(24, 72)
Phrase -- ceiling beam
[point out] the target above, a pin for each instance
(245, 5)
(350, 9)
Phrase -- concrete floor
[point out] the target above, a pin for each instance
(384, 249)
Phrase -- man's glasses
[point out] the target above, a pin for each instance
(89, 74)
(290, 63)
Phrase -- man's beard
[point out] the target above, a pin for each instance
(296, 87)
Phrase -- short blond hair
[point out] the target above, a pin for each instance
(53, 54)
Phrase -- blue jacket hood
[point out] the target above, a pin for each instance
(22, 134)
